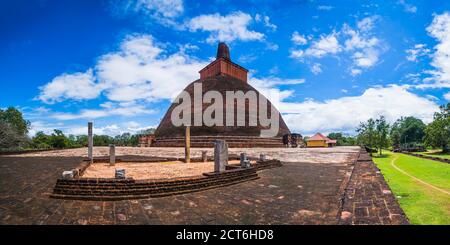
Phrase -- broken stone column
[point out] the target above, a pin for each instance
(262, 157)
(187, 145)
(220, 155)
(120, 173)
(112, 154)
(204, 156)
(90, 142)
(245, 163)
(67, 175)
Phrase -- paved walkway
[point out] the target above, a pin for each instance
(301, 192)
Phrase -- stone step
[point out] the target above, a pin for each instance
(128, 197)
(110, 186)
(149, 190)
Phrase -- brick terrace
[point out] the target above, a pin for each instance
(315, 186)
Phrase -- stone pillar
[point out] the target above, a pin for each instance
(90, 142)
(187, 145)
(204, 156)
(262, 157)
(245, 163)
(120, 174)
(112, 154)
(220, 155)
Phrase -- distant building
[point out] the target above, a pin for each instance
(319, 140)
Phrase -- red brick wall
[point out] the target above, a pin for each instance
(223, 66)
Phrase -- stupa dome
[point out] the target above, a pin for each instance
(221, 75)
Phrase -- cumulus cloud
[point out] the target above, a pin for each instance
(418, 51)
(326, 44)
(447, 96)
(76, 86)
(266, 20)
(316, 68)
(358, 43)
(139, 70)
(164, 12)
(345, 113)
(228, 28)
(440, 30)
(407, 7)
(110, 110)
(298, 39)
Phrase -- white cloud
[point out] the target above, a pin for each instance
(447, 96)
(418, 51)
(298, 39)
(367, 23)
(140, 70)
(111, 129)
(327, 44)
(345, 113)
(407, 7)
(110, 110)
(355, 72)
(77, 86)
(344, 91)
(268, 87)
(325, 7)
(316, 68)
(225, 28)
(440, 30)
(163, 11)
(359, 44)
(266, 20)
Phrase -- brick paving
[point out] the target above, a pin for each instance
(368, 199)
(300, 192)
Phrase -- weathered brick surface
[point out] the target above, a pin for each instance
(298, 193)
(368, 199)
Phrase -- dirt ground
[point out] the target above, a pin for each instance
(307, 189)
(151, 170)
(306, 155)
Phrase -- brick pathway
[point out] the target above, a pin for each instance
(297, 193)
(368, 199)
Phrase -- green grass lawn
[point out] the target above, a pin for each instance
(421, 203)
(436, 153)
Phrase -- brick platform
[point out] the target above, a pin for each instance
(308, 189)
(368, 199)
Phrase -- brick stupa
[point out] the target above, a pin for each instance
(220, 75)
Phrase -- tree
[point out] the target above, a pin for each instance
(58, 139)
(41, 141)
(341, 139)
(407, 132)
(437, 133)
(373, 134)
(382, 129)
(14, 117)
(367, 134)
(10, 138)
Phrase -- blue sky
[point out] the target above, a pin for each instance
(120, 63)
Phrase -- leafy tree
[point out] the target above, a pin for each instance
(41, 141)
(437, 133)
(373, 133)
(103, 140)
(58, 139)
(382, 129)
(367, 134)
(407, 131)
(14, 117)
(341, 139)
(10, 138)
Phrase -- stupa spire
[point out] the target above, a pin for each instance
(223, 51)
